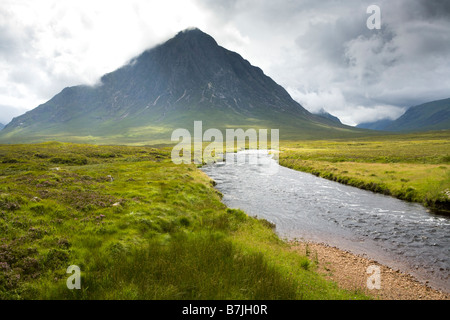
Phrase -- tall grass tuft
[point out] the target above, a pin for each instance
(202, 265)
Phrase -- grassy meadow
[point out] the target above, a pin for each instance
(412, 167)
(139, 227)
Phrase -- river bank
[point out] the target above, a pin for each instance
(349, 271)
(412, 167)
(396, 233)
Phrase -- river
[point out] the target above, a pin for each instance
(398, 234)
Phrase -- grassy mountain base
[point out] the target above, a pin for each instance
(139, 227)
(139, 130)
(413, 167)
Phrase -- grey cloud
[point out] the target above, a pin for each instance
(403, 64)
(14, 43)
(435, 8)
(327, 39)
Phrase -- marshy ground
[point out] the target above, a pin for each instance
(141, 227)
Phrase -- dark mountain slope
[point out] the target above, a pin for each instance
(434, 115)
(377, 125)
(323, 113)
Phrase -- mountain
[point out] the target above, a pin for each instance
(434, 115)
(1, 126)
(376, 125)
(187, 78)
(323, 113)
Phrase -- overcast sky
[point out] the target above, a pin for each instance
(321, 51)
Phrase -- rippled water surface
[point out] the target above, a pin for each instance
(399, 234)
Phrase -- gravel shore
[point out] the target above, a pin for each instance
(349, 271)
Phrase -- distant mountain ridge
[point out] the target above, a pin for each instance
(187, 78)
(434, 115)
(1, 126)
(376, 125)
(323, 113)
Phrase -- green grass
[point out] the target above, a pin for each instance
(139, 227)
(413, 167)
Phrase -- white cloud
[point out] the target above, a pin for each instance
(361, 114)
(315, 101)
(49, 45)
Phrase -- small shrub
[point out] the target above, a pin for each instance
(11, 203)
(184, 221)
(268, 224)
(10, 160)
(56, 258)
(305, 263)
(42, 156)
(70, 160)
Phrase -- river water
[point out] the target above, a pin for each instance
(399, 234)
